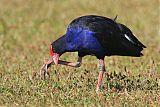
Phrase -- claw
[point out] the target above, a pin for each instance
(45, 70)
(41, 71)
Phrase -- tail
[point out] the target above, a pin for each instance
(133, 46)
(130, 36)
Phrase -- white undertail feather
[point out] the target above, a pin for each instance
(126, 36)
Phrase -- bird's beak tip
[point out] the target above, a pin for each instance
(55, 58)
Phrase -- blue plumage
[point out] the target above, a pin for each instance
(98, 36)
(83, 41)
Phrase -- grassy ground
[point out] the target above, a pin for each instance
(27, 27)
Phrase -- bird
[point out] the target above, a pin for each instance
(94, 35)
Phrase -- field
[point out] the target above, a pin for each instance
(27, 27)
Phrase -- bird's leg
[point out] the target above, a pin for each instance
(48, 63)
(101, 72)
(45, 67)
(72, 64)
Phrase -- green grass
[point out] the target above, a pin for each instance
(27, 27)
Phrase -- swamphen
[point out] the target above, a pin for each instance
(94, 35)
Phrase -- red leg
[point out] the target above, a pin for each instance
(48, 63)
(72, 64)
(101, 72)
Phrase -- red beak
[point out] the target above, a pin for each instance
(55, 56)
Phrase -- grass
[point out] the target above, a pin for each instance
(27, 28)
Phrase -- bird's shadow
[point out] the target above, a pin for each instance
(119, 82)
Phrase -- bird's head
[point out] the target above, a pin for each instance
(55, 56)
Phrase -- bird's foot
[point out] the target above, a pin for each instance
(44, 71)
(97, 89)
(44, 68)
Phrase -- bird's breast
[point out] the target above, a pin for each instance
(80, 39)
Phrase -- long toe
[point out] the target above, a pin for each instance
(45, 70)
(40, 72)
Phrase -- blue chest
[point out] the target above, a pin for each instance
(79, 39)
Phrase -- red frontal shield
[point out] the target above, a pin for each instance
(55, 56)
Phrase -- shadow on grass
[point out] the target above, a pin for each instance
(112, 81)
(120, 82)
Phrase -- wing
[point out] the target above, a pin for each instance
(93, 23)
